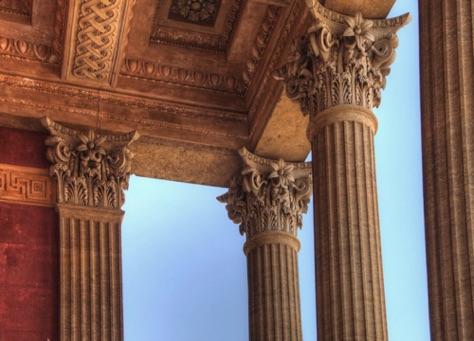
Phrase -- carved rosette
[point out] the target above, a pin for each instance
(341, 60)
(269, 195)
(90, 169)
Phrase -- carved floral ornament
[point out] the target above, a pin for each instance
(197, 11)
(269, 195)
(90, 169)
(340, 60)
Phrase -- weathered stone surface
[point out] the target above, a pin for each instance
(447, 98)
(91, 273)
(285, 124)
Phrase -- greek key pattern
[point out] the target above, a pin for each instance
(96, 38)
(26, 185)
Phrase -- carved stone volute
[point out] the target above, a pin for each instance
(341, 60)
(90, 169)
(269, 195)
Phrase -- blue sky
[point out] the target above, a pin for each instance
(184, 271)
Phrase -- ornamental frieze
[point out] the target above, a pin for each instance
(26, 185)
(341, 60)
(269, 195)
(90, 169)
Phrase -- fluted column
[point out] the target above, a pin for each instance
(336, 74)
(348, 252)
(91, 173)
(447, 103)
(267, 201)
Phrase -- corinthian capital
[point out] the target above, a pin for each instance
(90, 169)
(340, 60)
(269, 195)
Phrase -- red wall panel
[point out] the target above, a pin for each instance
(23, 148)
(29, 252)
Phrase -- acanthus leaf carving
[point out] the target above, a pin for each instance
(340, 60)
(90, 169)
(269, 195)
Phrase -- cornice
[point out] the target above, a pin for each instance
(261, 42)
(119, 99)
(267, 93)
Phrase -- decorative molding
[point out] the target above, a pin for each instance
(96, 38)
(59, 29)
(18, 49)
(261, 42)
(90, 169)
(26, 185)
(341, 60)
(200, 12)
(18, 7)
(97, 33)
(269, 195)
(119, 99)
(211, 42)
(144, 70)
(276, 57)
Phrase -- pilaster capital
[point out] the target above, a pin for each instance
(341, 60)
(269, 195)
(90, 169)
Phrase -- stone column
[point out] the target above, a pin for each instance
(447, 103)
(336, 74)
(267, 200)
(91, 174)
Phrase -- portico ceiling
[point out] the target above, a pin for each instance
(193, 77)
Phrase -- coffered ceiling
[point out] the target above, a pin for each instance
(193, 77)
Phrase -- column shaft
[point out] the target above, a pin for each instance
(267, 200)
(90, 270)
(447, 78)
(92, 172)
(349, 277)
(274, 297)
